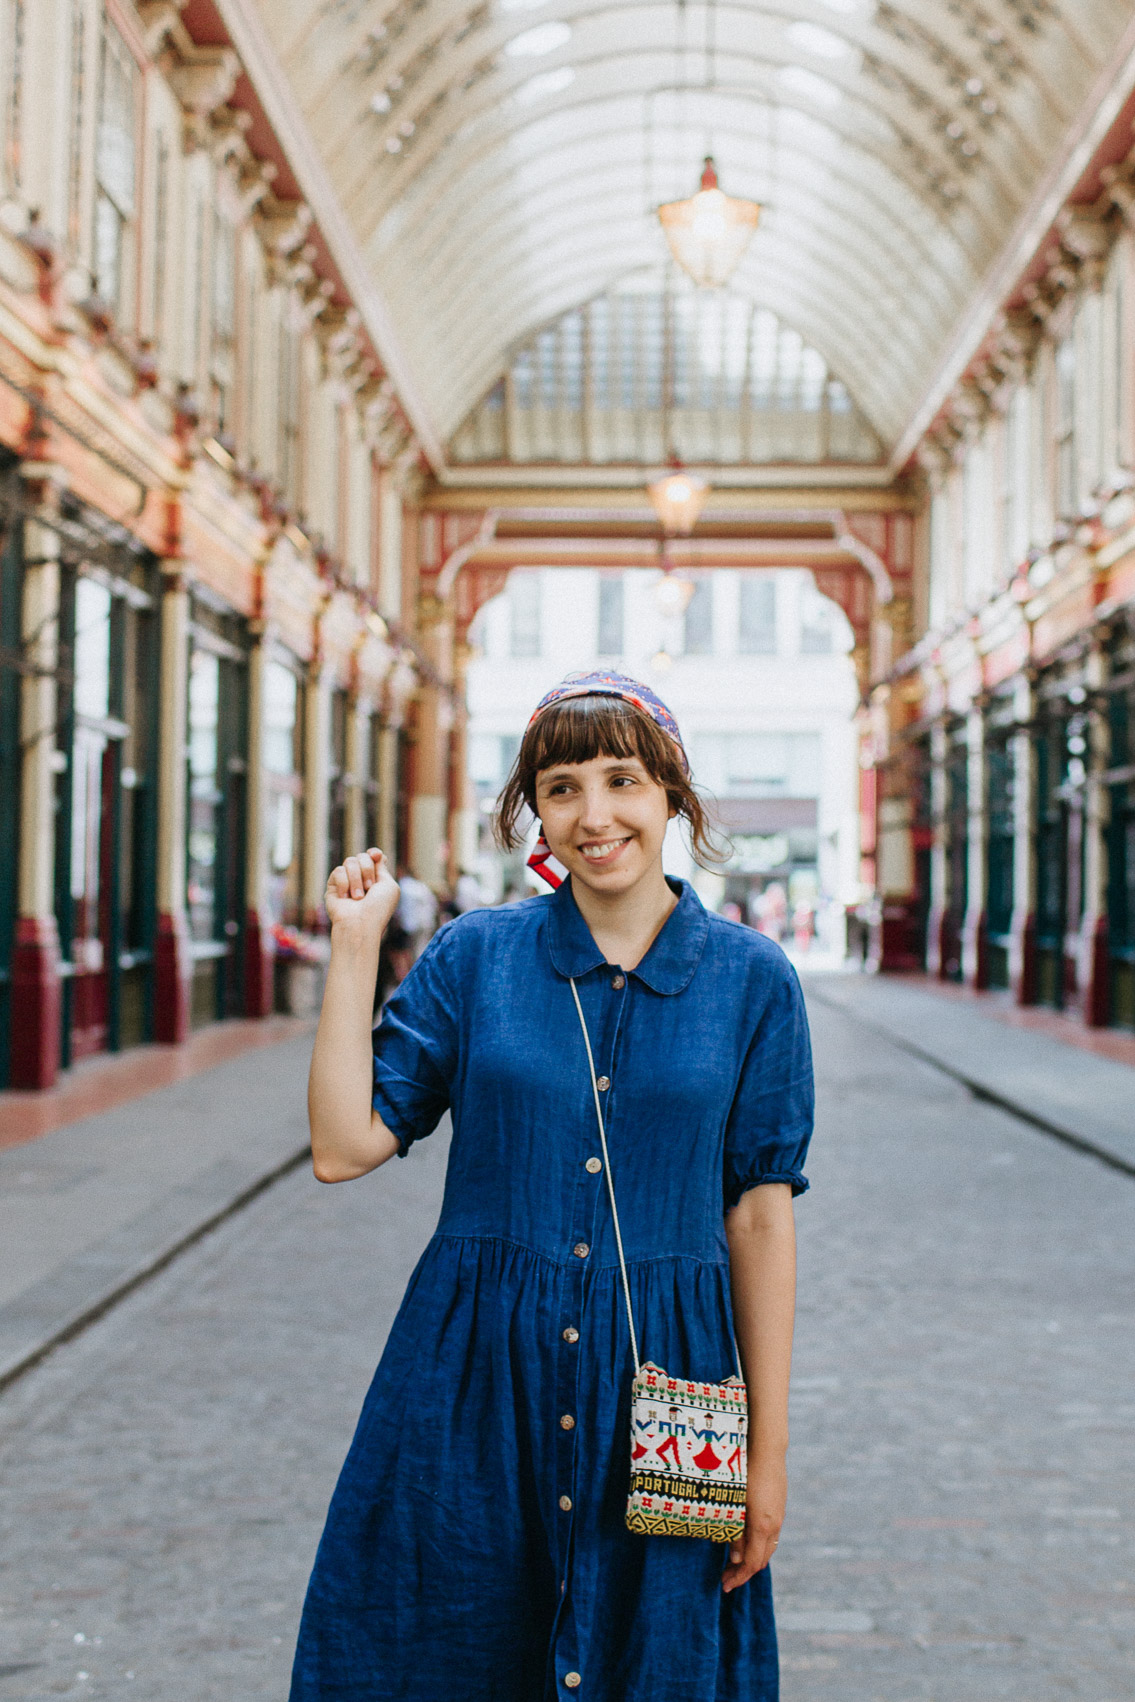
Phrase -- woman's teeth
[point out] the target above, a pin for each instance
(595, 852)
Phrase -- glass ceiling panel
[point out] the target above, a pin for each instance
(656, 367)
(501, 160)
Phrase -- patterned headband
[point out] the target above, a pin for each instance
(599, 684)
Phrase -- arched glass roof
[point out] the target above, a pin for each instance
(656, 366)
(500, 160)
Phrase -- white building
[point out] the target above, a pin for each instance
(757, 672)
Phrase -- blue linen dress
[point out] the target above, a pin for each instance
(475, 1549)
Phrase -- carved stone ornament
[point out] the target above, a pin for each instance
(283, 225)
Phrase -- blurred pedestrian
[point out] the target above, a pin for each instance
(417, 913)
(481, 1543)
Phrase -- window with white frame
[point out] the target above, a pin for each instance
(115, 170)
(698, 622)
(609, 635)
(525, 612)
(222, 345)
(1017, 479)
(1064, 412)
(756, 615)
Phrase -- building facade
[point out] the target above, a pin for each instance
(215, 667)
(757, 670)
(1003, 740)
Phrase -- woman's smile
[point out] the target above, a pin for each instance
(605, 850)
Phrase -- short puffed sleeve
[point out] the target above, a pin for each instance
(770, 1121)
(415, 1048)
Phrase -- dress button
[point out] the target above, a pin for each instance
(571, 1334)
(565, 1503)
(603, 1083)
(595, 1165)
(619, 983)
(581, 1249)
(572, 1680)
(567, 1422)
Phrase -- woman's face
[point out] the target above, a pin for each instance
(604, 820)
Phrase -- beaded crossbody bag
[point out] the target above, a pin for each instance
(688, 1439)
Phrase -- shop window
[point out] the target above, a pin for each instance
(818, 620)
(370, 765)
(697, 635)
(338, 781)
(283, 771)
(756, 629)
(609, 638)
(1121, 853)
(105, 843)
(115, 166)
(999, 853)
(216, 804)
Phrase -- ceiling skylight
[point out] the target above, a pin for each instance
(813, 38)
(542, 38)
(804, 82)
(547, 84)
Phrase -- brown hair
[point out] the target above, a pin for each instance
(580, 728)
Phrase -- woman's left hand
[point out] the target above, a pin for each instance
(765, 1506)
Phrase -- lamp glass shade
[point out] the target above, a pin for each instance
(672, 594)
(678, 500)
(710, 232)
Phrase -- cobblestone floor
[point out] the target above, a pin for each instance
(962, 1526)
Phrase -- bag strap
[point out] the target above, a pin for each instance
(611, 1191)
(610, 1180)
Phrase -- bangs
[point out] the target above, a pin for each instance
(582, 728)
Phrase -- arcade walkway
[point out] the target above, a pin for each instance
(962, 1527)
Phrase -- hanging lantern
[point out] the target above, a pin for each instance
(709, 233)
(678, 499)
(672, 594)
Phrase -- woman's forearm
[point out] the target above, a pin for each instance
(347, 1137)
(762, 1263)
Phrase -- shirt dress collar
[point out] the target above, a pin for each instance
(668, 966)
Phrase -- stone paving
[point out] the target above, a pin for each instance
(962, 1526)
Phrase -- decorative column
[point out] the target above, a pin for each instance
(173, 961)
(316, 783)
(936, 918)
(1093, 969)
(462, 813)
(975, 940)
(259, 949)
(356, 758)
(35, 1002)
(1022, 944)
(429, 807)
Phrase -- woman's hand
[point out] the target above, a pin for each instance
(361, 897)
(765, 1506)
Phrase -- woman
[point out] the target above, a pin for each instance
(475, 1549)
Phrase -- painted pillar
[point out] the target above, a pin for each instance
(316, 782)
(173, 961)
(462, 812)
(357, 758)
(429, 807)
(975, 941)
(936, 918)
(35, 966)
(1022, 943)
(259, 949)
(1093, 969)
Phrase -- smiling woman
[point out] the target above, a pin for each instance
(502, 1530)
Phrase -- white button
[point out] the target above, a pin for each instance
(571, 1334)
(619, 983)
(595, 1165)
(567, 1422)
(572, 1680)
(603, 1083)
(565, 1503)
(581, 1249)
